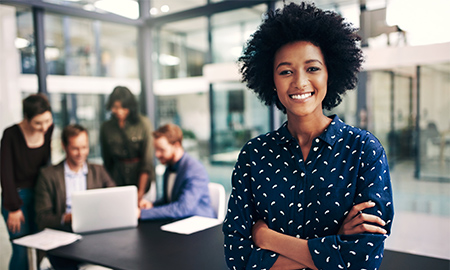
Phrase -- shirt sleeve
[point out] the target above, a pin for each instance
(186, 204)
(106, 179)
(46, 216)
(10, 196)
(361, 251)
(240, 251)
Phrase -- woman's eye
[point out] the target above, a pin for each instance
(313, 69)
(285, 72)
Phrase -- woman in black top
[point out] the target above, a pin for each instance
(25, 148)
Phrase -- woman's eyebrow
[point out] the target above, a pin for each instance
(283, 64)
(309, 61)
(312, 61)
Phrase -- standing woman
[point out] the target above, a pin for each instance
(25, 148)
(315, 193)
(126, 142)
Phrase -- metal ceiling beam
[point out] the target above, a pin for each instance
(73, 11)
(205, 10)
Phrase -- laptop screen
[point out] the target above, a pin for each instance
(104, 209)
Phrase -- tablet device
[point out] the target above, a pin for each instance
(104, 209)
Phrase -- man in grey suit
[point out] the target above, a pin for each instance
(55, 184)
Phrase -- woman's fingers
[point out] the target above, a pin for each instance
(359, 222)
(368, 218)
(364, 227)
(15, 219)
(357, 209)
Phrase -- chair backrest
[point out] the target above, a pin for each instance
(217, 195)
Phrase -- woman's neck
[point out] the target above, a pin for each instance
(33, 138)
(305, 129)
(121, 123)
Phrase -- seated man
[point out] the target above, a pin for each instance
(55, 185)
(186, 181)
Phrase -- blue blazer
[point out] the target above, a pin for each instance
(190, 193)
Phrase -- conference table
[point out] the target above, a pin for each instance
(148, 247)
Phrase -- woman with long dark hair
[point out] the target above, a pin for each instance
(126, 142)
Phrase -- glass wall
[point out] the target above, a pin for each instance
(237, 116)
(181, 49)
(83, 47)
(434, 135)
(25, 41)
(79, 54)
(230, 31)
(87, 110)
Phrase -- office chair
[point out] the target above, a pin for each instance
(217, 195)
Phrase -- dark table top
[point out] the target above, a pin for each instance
(148, 247)
(395, 260)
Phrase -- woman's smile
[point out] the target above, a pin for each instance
(301, 78)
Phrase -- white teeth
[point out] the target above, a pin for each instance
(302, 96)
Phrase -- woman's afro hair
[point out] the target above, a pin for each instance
(327, 30)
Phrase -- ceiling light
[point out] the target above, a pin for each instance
(21, 43)
(165, 8)
(153, 11)
(126, 8)
(89, 7)
(51, 53)
(168, 60)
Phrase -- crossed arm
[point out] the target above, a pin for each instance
(294, 252)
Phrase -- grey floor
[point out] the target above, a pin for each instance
(421, 224)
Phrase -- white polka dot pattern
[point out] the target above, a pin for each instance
(310, 198)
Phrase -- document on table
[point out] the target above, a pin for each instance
(47, 239)
(191, 225)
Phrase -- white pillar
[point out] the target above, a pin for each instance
(10, 93)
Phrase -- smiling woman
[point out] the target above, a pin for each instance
(315, 193)
(300, 77)
(25, 149)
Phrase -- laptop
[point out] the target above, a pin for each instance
(103, 209)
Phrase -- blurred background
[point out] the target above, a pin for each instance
(179, 58)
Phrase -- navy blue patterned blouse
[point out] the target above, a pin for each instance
(310, 198)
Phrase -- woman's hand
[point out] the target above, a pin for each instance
(358, 222)
(15, 219)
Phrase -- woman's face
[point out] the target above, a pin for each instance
(119, 112)
(41, 122)
(300, 77)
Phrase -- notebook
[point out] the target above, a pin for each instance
(104, 209)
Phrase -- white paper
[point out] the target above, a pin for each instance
(47, 239)
(191, 225)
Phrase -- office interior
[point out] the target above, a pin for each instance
(179, 58)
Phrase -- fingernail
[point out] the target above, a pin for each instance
(371, 203)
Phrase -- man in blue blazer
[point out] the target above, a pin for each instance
(185, 180)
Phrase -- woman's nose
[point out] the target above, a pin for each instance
(300, 80)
